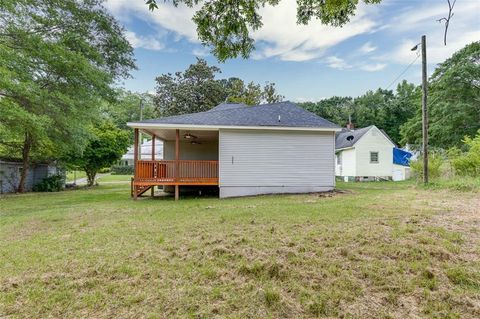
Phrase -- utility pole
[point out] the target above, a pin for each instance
(424, 110)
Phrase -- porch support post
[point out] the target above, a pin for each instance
(177, 157)
(153, 147)
(135, 159)
(152, 189)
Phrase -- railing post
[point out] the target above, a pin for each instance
(135, 162)
(153, 165)
(177, 155)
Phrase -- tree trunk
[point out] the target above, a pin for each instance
(90, 177)
(27, 146)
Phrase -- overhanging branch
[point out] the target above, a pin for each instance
(446, 19)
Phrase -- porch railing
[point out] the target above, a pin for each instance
(193, 172)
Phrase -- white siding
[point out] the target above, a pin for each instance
(349, 163)
(204, 151)
(400, 172)
(261, 161)
(374, 141)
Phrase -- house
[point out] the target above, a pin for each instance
(10, 171)
(367, 154)
(242, 150)
(145, 152)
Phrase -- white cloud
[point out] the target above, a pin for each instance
(176, 19)
(373, 67)
(138, 41)
(367, 48)
(337, 63)
(281, 37)
(464, 28)
(200, 52)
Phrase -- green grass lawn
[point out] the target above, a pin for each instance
(114, 178)
(378, 250)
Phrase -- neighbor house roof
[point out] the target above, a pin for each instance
(348, 138)
(283, 114)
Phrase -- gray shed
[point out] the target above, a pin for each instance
(10, 175)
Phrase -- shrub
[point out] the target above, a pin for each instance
(104, 170)
(52, 183)
(435, 162)
(122, 170)
(468, 163)
(464, 184)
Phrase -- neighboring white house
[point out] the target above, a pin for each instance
(242, 150)
(145, 153)
(367, 154)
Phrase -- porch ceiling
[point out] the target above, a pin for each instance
(169, 134)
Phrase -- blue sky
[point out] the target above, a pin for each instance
(306, 62)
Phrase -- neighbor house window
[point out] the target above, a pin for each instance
(374, 157)
(339, 159)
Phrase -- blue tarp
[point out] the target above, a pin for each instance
(401, 157)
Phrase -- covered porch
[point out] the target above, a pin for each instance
(190, 158)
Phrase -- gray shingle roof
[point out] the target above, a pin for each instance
(283, 114)
(227, 106)
(341, 140)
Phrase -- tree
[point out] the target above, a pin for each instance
(194, 90)
(250, 94)
(126, 108)
(402, 108)
(270, 94)
(382, 108)
(371, 108)
(197, 90)
(467, 163)
(58, 60)
(388, 110)
(454, 101)
(106, 145)
(225, 26)
(335, 109)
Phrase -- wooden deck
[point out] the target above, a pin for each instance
(149, 173)
(176, 172)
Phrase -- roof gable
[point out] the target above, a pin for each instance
(348, 138)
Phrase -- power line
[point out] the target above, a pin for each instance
(403, 72)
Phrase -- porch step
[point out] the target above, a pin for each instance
(138, 190)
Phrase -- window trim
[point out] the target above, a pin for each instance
(378, 158)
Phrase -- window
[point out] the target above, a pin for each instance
(374, 157)
(339, 159)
